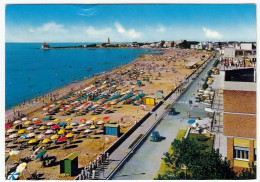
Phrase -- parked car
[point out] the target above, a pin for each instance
(155, 136)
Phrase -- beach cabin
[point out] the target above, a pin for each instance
(159, 94)
(70, 164)
(191, 65)
(112, 129)
(149, 100)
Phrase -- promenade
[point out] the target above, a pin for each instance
(118, 157)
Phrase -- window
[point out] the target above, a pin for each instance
(241, 153)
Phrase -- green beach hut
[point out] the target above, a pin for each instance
(70, 164)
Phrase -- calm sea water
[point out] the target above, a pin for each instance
(31, 71)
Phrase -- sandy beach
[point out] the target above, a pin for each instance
(155, 72)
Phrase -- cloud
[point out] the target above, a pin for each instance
(211, 34)
(98, 32)
(50, 27)
(88, 12)
(130, 33)
(161, 29)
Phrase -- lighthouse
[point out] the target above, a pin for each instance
(108, 40)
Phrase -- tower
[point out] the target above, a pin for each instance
(108, 40)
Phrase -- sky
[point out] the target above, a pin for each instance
(127, 23)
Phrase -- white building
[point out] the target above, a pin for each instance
(246, 46)
(229, 52)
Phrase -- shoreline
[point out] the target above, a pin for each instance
(66, 90)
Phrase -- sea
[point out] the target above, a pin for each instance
(31, 71)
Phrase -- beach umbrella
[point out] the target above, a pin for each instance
(82, 120)
(93, 126)
(37, 122)
(191, 121)
(43, 128)
(70, 135)
(89, 122)
(87, 131)
(27, 122)
(21, 167)
(31, 135)
(68, 119)
(46, 119)
(68, 127)
(63, 124)
(40, 154)
(7, 158)
(13, 152)
(24, 136)
(32, 141)
(82, 125)
(40, 136)
(35, 119)
(94, 118)
(24, 119)
(55, 127)
(74, 124)
(30, 128)
(62, 139)
(8, 125)
(11, 130)
(56, 120)
(61, 132)
(49, 132)
(100, 122)
(50, 123)
(21, 131)
(17, 121)
(46, 140)
(53, 137)
(13, 176)
(106, 117)
(14, 136)
(75, 130)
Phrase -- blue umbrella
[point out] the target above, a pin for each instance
(46, 119)
(24, 137)
(191, 121)
(63, 124)
(13, 176)
(40, 155)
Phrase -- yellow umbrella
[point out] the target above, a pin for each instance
(32, 141)
(68, 119)
(27, 122)
(92, 127)
(46, 140)
(56, 120)
(14, 152)
(21, 167)
(61, 132)
(53, 137)
(94, 118)
(68, 127)
(21, 131)
(43, 128)
(69, 135)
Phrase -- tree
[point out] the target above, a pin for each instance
(190, 161)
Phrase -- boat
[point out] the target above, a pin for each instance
(45, 46)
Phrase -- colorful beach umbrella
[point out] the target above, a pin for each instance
(24, 136)
(11, 130)
(31, 135)
(94, 118)
(93, 126)
(27, 122)
(82, 120)
(37, 122)
(24, 119)
(89, 122)
(7, 158)
(13, 176)
(35, 119)
(70, 135)
(49, 132)
(41, 136)
(14, 135)
(63, 124)
(13, 152)
(46, 119)
(82, 125)
(68, 119)
(21, 167)
(100, 122)
(53, 137)
(87, 131)
(62, 139)
(30, 128)
(8, 125)
(46, 140)
(43, 128)
(32, 141)
(17, 121)
(74, 124)
(55, 127)
(40, 154)
(21, 131)
(106, 117)
(50, 123)
(61, 132)
(68, 127)
(56, 120)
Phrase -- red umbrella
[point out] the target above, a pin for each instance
(55, 126)
(106, 117)
(82, 120)
(37, 122)
(8, 125)
(62, 139)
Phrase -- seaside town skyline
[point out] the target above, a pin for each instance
(128, 23)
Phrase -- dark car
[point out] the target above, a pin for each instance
(155, 136)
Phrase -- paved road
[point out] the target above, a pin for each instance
(145, 161)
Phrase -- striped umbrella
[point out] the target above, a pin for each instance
(13, 176)
(21, 167)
